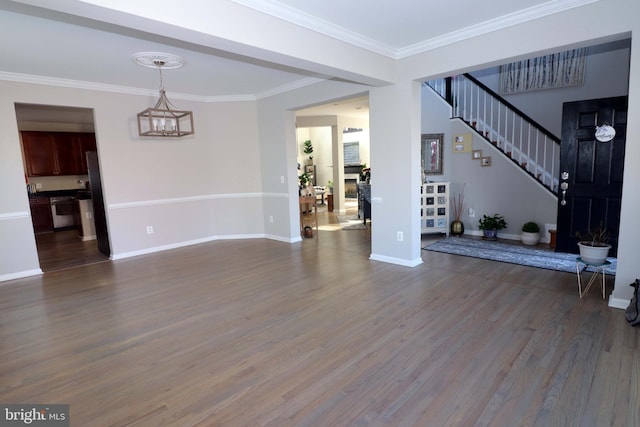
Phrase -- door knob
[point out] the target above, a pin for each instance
(563, 187)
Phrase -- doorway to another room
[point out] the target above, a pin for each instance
(57, 145)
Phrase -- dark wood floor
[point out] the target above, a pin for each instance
(65, 249)
(265, 333)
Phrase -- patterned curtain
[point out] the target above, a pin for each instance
(544, 72)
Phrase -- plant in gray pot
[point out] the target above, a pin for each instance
(594, 248)
(530, 234)
(490, 225)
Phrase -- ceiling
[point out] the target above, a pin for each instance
(90, 43)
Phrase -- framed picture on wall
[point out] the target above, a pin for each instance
(485, 161)
(476, 154)
(462, 143)
(432, 153)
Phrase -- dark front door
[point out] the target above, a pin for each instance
(99, 216)
(590, 171)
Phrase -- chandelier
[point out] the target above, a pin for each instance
(163, 119)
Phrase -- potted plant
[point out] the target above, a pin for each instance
(308, 150)
(490, 225)
(330, 186)
(530, 234)
(593, 246)
(304, 180)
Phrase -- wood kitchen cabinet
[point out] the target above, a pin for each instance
(41, 214)
(83, 142)
(39, 153)
(57, 153)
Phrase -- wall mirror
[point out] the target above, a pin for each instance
(432, 153)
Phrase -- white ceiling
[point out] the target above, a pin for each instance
(86, 43)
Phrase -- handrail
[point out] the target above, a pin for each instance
(533, 148)
(512, 107)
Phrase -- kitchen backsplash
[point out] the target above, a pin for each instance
(53, 183)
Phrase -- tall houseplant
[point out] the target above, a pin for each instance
(308, 150)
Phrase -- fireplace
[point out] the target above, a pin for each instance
(351, 186)
(351, 179)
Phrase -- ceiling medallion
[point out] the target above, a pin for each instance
(150, 59)
(163, 119)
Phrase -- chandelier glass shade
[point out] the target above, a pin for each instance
(163, 119)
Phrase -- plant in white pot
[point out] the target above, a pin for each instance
(308, 150)
(530, 234)
(594, 248)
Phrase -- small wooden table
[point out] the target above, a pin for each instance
(305, 203)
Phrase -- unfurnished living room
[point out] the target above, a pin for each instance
(154, 265)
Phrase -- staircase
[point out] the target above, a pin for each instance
(528, 145)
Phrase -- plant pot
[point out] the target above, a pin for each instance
(308, 232)
(490, 234)
(594, 254)
(457, 228)
(530, 239)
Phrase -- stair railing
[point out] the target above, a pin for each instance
(526, 143)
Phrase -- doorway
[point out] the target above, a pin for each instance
(54, 141)
(591, 170)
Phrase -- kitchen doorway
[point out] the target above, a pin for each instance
(54, 141)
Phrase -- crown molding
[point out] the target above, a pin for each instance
(127, 90)
(310, 22)
(289, 87)
(297, 17)
(520, 17)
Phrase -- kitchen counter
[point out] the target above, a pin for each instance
(78, 194)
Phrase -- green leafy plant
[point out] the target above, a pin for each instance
(330, 184)
(530, 227)
(304, 179)
(495, 222)
(308, 148)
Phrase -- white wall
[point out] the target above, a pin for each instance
(320, 138)
(189, 189)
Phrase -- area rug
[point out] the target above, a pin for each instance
(351, 223)
(513, 254)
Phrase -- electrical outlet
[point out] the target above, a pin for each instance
(281, 179)
(270, 218)
(472, 213)
(149, 229)
(400, 236)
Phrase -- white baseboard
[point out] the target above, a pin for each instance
(203, 240)
(20, 275)
(618, 302)
(397, 261)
